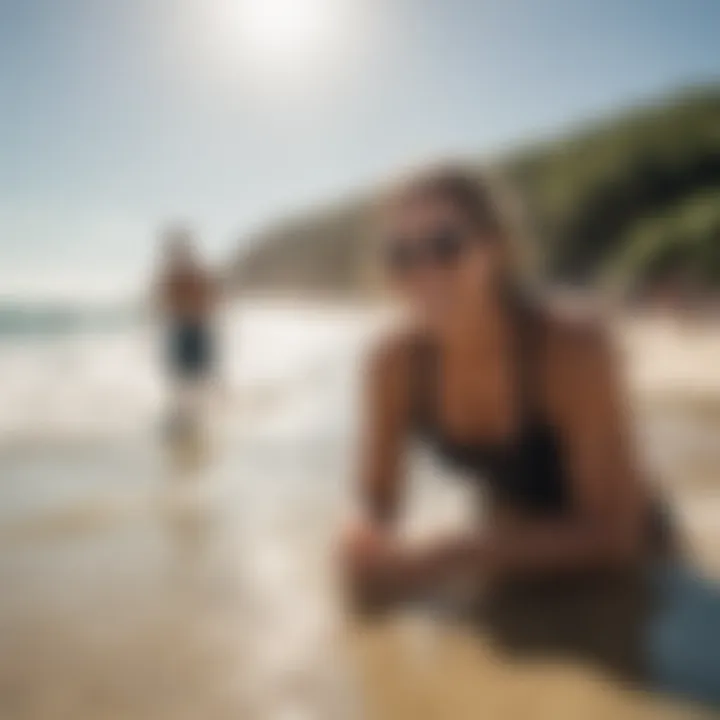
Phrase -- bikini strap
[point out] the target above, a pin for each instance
(423, 383)
(424, 370)
(527, 330)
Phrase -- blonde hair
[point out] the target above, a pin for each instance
(485, 199)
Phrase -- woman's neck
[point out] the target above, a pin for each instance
(482, 328)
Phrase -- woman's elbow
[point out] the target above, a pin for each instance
(363, 549)
(624, 546)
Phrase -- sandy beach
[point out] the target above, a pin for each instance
(147, 579)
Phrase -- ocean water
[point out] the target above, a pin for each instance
(83, 376)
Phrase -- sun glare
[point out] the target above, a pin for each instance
(288, 34)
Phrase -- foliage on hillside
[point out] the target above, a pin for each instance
(619, 198)
(682, 242)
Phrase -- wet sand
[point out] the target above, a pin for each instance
(142, 579)
(416, 666)
(168, 594)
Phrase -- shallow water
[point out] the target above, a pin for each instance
(147, 579)
(172, 587)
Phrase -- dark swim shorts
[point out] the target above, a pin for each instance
(190, 349)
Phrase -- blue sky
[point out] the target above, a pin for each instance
(118, 115)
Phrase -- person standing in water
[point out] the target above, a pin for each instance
(187, 295)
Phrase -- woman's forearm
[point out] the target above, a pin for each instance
(531, 546)
(388, 568)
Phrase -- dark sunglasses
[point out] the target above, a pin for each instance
(441, 249)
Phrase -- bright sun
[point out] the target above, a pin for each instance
(288, 35)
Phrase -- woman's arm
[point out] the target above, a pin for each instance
(379, 565)
(606, 528)
(386, 411)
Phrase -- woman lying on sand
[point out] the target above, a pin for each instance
(577, 555)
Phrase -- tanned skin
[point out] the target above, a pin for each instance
(576, 387)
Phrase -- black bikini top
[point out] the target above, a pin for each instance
(528, 471)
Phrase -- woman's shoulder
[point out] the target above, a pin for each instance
(582, 364)
(392, 351)
(578, 332)
(388, 372)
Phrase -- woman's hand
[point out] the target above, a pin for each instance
(380, 568)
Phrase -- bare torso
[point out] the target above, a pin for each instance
(572, 375)
(188, 295)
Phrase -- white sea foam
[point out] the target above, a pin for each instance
(90, 383)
